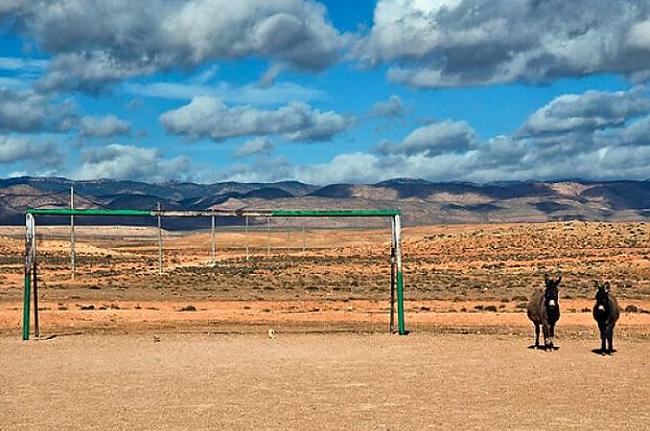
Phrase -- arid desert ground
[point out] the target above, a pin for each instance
(124, 347)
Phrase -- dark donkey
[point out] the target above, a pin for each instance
(544, 309)
(606, 312)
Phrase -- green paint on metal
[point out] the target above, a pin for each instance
(145, 213)
(26, 308)
(400, 303)
(335, 213)
(88, 212)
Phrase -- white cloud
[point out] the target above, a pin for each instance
(23, 149)
(434, 139)
(95, 42)
(255, 146)
(280, 93)
(106, 126)
(434, 44)
(616, 146)
(587, 112)
(22, 64)
(131, 162)
(207, 116)
(27, 111)
(393, 107)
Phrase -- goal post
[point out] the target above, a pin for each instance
(30, 281)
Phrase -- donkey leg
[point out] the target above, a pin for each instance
(546, 334)
(603, 337)
(610, 338)
(536, 334)
(551, 334)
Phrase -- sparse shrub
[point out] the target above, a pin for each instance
(425, 308)
(187, 308)
(87, 307)
(463, 310)
(478, 307)
(586, 310)
(492, 308)
(631, 308)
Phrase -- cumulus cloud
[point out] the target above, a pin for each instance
(104, 127)
(96, 42)
(23, 149)
(207, 116)
(255, 146)
(27, 111)
(434, 139)
(131, 162)
(587, 112)
(393, 107)
(446, 43)
(610, 140)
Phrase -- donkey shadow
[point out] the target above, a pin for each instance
(545, 348)
(601, 352)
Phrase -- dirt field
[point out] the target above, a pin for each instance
(320, 381)
(464, 364)
(457, 278)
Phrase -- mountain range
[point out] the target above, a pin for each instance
(421, 201)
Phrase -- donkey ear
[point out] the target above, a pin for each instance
(596, 284)
(606, 286)
(559, 279)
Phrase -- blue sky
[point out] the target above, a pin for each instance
(322, 92)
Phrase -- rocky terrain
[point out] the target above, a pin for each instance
(422, 202)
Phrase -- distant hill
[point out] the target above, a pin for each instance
(421, 201)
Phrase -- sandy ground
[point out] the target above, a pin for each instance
(320, 381)
(464, 365)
